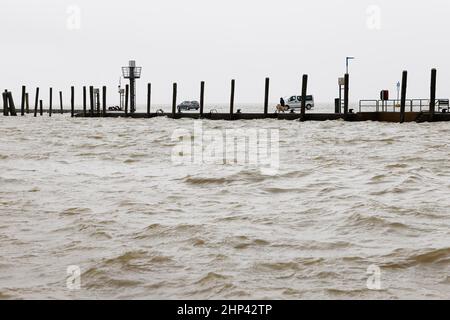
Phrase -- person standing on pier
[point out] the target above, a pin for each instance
(282, 103)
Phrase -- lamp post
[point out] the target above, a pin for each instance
(347, 59)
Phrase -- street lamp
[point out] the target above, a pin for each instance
(347, 59)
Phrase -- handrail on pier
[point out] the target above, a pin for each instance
(393, 105)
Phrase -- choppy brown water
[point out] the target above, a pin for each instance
(104, 195)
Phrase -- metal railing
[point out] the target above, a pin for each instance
(412, 105)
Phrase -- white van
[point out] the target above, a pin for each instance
(295, 102)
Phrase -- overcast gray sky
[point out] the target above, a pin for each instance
(61, 43)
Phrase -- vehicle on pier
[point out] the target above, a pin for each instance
(295, 102)
(188, 105)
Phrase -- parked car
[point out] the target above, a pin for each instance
(188, 105)
(295, 102)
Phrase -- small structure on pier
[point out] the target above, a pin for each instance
(132, 72)
(121, 92)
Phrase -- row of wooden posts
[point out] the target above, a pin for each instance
(39, 103)
(9, 107)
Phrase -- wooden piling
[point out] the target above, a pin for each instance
(304, 92)
(97, 102)
(433, 93)
(84, 101)
(36, 102)
(27, 102)
(266, 97)
(174, 99)
(61, 106)
(127, 93)
(5, 103)
(91, 100)
(72, 101)
(233, 86)
(202, 97)
(50, 108)
(12, 107)
(403, 98)
(346, 93)
(149, 97)
(41, 108)
(104, 100)
(22, 103)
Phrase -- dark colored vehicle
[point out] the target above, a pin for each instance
(188, 105)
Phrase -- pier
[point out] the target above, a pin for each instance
(384, 110)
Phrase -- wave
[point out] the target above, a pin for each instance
(421, 257)
(204, 181)
(211, 277)
(359, 220)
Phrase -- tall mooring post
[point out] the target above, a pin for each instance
(127, 93)
(27, 102)
(22, 104)
(174, 99)
(403, 98)
(104, 100)
(5, 103)
(84, 101)
(149, 97)
(36, 102)
(346, 93)
(50, 106)
(233, 86)
(202, 97)
(132, 73)
(72, 101)
(433, 93)
(266, 97)
(12, 107)
(304, 92)
(61, 106)
(91, 100)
